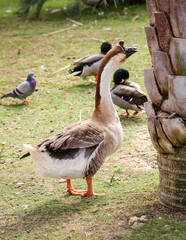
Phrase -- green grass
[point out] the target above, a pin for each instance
(162, 229)
(42, 209)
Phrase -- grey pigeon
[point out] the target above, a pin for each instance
(24, 90)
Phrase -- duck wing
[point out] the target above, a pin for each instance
(127, 91)
(132, 84)
(138, 101)
(127, 97)
(89, 59)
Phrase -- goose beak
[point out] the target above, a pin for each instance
(130, 50)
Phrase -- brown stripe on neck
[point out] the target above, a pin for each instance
(106, 59)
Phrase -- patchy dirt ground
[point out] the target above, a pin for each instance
(142, 157)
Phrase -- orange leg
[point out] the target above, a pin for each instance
(73, 191)
(88, 193)
(96, 78)
(135, 112)
(127, 113)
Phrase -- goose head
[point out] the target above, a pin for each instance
(115, 57)
(128, 50)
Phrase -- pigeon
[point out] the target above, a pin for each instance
(24, 90)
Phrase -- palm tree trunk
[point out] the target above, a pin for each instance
(172, 168)
(165, 82)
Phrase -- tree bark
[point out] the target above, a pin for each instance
(172, 168)
(165, 82)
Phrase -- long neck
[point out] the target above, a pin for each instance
(104, 108)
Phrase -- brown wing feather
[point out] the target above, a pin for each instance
(70, 141)
(81, 135)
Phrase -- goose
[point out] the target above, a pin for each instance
(79, 150)
(89, 65)
(127, 94)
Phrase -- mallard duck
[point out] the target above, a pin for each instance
(78, 151)
(127, 94)
(24, 90)
(89, 65)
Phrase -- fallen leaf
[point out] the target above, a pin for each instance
(17, 185)
(25, 207)
(136, 17)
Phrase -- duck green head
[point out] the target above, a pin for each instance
(119, 75)
(105, 47)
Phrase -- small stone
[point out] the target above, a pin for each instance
(62, 181)
(106, 29)
(137, 225)
(100, 13)
(143, 218)
(134, 219)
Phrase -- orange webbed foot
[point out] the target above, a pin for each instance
(88, 193)
(126, 114)
(135, 112)
(74, 191)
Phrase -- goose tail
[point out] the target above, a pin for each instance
(31, 150)
(45, 166)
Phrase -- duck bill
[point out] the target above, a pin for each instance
(130, 51)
